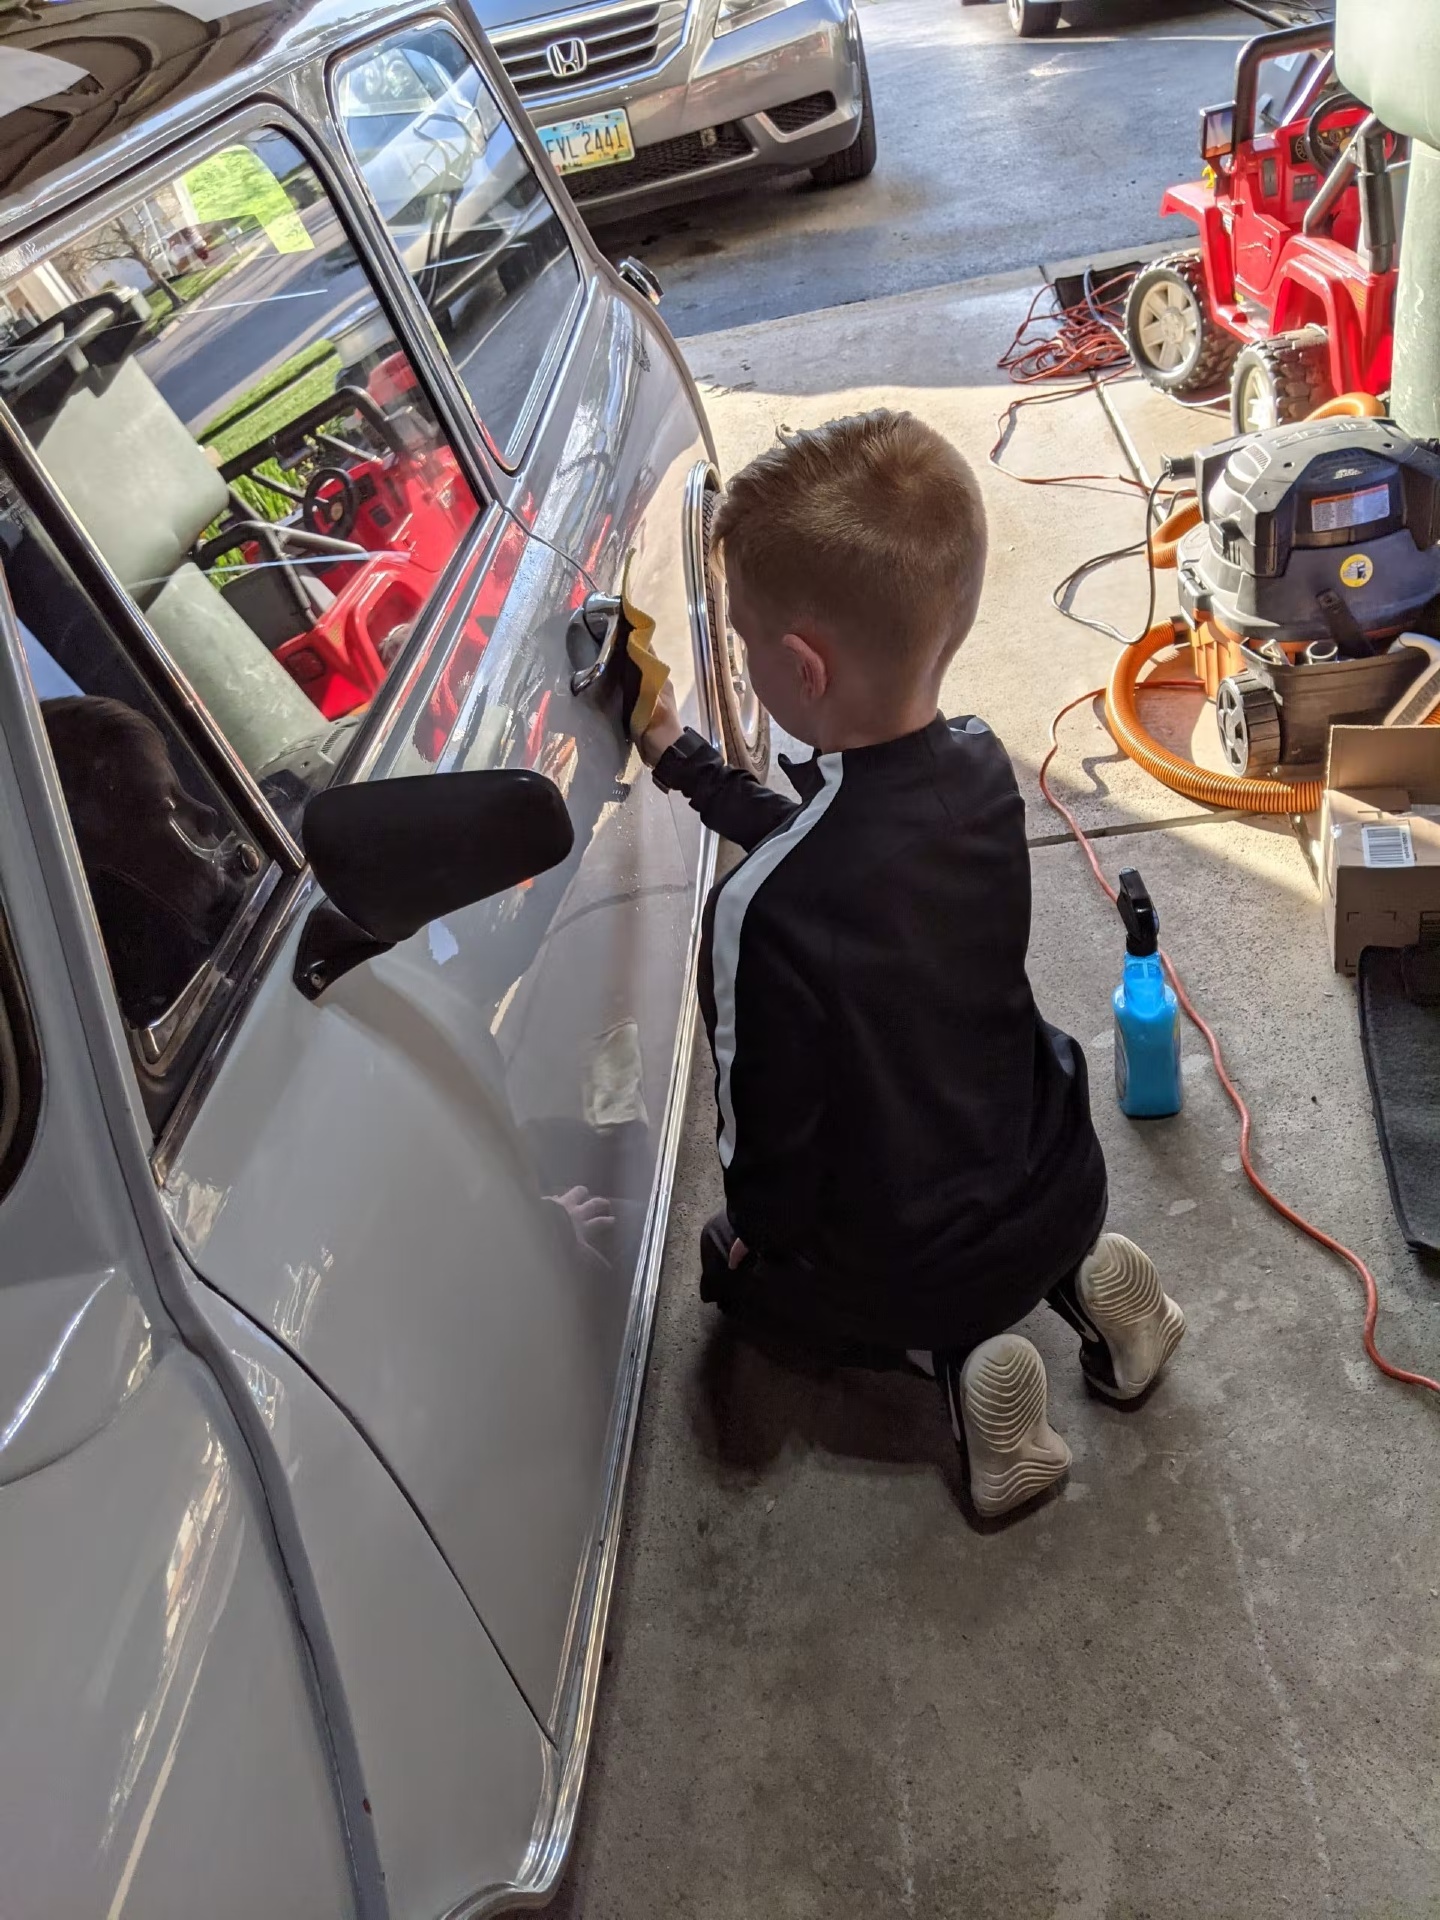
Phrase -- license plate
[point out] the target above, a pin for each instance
(598, 140)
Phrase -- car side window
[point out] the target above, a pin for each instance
(208, 377)
(170, 866)
(474, 227)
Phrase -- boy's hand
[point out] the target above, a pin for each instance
(664, 728)
(739, 1252)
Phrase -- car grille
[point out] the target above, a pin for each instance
(796, 114)
(665, 160)
(616, 41)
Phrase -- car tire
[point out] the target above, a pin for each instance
(1276, 381)
(1031, 18)
(857, 161)
(744, 723)
(1173, 338)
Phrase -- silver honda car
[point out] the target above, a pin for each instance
(647, 102)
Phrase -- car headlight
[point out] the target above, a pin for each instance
(743, 13)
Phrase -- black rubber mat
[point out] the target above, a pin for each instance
(1400, 1032)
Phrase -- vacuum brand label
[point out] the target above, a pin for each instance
(1357, 570)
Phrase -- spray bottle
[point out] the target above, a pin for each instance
(1147, 1014)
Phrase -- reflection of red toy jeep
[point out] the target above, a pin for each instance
(1291, 292)
(334, 587)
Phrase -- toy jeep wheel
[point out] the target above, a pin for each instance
(1279, 380)
(1031, 18)
(1249, 723)
(1172, 336)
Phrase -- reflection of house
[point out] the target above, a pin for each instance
(152, 242)
(35, 296)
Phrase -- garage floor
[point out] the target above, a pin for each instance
(1202, 1682)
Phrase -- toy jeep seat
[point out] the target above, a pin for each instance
(145, 492)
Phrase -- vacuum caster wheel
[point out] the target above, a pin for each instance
(1249, 723)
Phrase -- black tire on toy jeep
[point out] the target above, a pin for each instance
(1279, 380)
(1204, 360)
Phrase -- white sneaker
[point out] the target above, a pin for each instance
(997, 1410)
(1139, 1325)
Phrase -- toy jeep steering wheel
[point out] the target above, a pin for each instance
(332, 502)
(1323, 143)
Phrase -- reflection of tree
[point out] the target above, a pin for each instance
(151, 234)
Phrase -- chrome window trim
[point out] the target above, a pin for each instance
(286, 903)
(22, 1065)
(158, 1043)
(510, 457)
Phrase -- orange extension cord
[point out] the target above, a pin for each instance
(1233, 1093)
(1080, 347)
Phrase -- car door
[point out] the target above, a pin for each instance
(383, 1180)
(602, 454)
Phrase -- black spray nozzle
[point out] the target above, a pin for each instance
(1137, 910)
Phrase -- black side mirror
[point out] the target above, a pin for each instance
(393, 855)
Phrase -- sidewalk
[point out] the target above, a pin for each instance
(1204, 1684)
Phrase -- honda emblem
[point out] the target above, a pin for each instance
(566, 58)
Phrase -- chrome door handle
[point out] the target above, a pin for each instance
(598, 621)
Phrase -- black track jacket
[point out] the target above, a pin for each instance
(896, 1121)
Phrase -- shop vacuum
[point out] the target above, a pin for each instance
(1310, 583)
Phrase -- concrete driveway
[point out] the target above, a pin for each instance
(995, 154)
(1203, 1682)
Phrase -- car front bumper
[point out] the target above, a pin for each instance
(779, 95)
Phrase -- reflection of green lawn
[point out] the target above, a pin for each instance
(276, 400)
(272, 403)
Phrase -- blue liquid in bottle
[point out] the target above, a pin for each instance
(1147, 1014)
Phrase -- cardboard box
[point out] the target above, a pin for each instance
(1380, 839)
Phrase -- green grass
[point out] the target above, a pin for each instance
(272, 403)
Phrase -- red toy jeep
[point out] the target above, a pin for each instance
(1291, 293)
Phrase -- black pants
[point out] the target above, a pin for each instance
(790, 1301)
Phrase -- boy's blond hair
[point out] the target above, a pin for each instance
(872, 526)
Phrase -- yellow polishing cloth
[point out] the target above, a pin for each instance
(646, 673)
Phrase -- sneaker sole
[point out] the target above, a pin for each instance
(1140, 1324)
(1014, 1452)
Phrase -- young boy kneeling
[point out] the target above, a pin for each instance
(909, 1159)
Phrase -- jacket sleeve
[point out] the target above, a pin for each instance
(731, 802)
(771, 1070)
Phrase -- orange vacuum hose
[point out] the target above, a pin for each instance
(1356, 406)
(1122, 717)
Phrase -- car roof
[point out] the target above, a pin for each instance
(82, 81)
